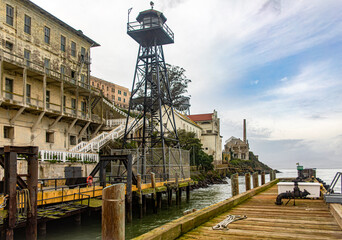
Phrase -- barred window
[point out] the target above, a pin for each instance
(47, 35)
(73, 49)
(63, 40)
(27, 26)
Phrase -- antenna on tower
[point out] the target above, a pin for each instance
(152, 4)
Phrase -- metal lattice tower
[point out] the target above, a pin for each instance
(151, 100)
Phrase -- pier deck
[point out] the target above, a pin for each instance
(309, 219)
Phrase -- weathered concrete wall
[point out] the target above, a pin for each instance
(52, 170)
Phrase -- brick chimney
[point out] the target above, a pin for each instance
(244, 131)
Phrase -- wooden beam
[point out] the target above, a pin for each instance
(83, 129)
(97, 130)
(71, 126)
(19, 112)
(55, 122)
(35, 125)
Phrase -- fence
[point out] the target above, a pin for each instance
(177, 163)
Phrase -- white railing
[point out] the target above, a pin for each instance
(115, 122)
(78, 146)
(96, 143)
(114, 107)
(64, 156)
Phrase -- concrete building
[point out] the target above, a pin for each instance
(113, 92)
(46, 98)
(210, 136)
(236, 148)
(183, 122)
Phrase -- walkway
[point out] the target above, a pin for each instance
(309, 219)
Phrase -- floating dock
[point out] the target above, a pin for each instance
(308, 219)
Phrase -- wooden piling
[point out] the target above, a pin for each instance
(144, 204)
(180, 195)
(262, 177)
(113, 212)
(159, 200)
(235, 184)
(154, 195)
(169, 196)
(271, 175)
(188, 193)
(255, 177)
(42, 229)
(78, 219)
(248, 181)
(139, 195)
(177, 190)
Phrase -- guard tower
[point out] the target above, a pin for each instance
(151, 101)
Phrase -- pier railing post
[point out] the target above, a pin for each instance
(255, 180)
(248, 181)
(274, 174)
(129, 188)
(235, 184)
(113, 212)
(263, 178)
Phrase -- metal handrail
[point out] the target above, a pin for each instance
(136, 26)
(334, 181)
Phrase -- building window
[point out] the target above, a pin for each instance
(9, 88)
(62, 71)
(9, 45)
(119, 92)
(8, 132)
(73, 76)
(47, 65)
(102, 87)
(113, 90)
(27, 57)
(98, 85)
(125, 94)
(113, 97)
(9, 15)
(82, 53)
(27, 26)
(50, 137)
(28, 93)
(124, 99)
(73, 49)
(73, 106)
(47, 35)
(72, 140)
(119, 98)
(64, 101)
(47, 99)
(82, 80)
(92, 83)
(83, 108)
(107, 88)
(63, 40)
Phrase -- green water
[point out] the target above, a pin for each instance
(91, 225)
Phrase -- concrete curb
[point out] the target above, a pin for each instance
(178, 227)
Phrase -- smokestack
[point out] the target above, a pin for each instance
(244, 131)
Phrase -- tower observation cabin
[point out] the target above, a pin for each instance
(150, 29)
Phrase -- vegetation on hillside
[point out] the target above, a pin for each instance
(251, 165)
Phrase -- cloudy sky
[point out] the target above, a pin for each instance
(276, 63)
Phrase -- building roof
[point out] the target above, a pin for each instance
(201, 117)
(187, 119)
(52, 17)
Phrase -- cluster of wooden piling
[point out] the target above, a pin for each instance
(255, 179)
(156, 192)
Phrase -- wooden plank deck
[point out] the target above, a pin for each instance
(309, 219)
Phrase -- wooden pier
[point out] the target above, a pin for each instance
(309, 219)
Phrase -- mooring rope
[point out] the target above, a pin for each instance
(229, 219)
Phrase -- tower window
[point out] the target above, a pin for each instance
(27, 26)
(9, 14)
(72, 140)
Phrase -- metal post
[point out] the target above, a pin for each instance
(10, 190)
(129, 188)
(113, 212)
(32, 185)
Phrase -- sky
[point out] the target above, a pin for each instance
(276, 63)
